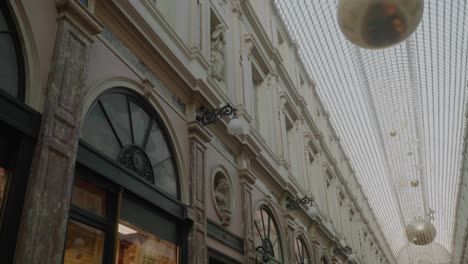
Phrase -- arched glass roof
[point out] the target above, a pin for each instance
(399, 111)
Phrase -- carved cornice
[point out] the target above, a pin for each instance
(199, 132)
(80, 16)
(246, 176)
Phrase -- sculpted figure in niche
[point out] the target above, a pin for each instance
(217, 52)
(222, 196)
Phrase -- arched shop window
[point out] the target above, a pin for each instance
(125, 206)
(267, 238)
(122, 127)
(300, 251)
(11, 63)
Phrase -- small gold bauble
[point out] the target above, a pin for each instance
(393, 133)
(420, 232)
(375, 24)
(414, 183)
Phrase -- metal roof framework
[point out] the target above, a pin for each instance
(417, 89)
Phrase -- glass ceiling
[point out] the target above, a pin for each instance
(415, 91)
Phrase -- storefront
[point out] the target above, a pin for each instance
(19, 126)
(125, 199)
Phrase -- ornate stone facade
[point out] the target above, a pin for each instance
(176, 66)
(218, 45)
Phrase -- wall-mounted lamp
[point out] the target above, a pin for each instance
(313, 212)
(295, 203)
(235, 125)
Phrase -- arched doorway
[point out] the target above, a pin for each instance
(125, 202)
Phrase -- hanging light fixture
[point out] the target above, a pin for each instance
(420, 232)
(375, 24)
(236, 126)
(414, 183)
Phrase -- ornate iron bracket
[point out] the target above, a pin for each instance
(295, 203)
(266, 258)
(210, 116)
(345, 251)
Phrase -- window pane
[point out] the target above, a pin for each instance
(89, 197)
(140, 122)
(3, 24)
(98, 133)
(166, 176)
(8, 65)
(117, 109)
(84, 2)
(84, 244)
(137, 246)
(157, 148)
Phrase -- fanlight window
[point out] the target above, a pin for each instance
(126, 130)
(301, 253)
(267, 239)
(10, 57)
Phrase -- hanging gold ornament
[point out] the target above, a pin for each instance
(414, 183)
(420, 232)
(375, 24)
(393, 133)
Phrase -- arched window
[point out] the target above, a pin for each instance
(11, 64)
(126, 129)
(267, 237)
(301, 252)
(323, 260)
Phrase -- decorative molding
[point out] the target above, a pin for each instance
(158, 86)
(222, 195)
(224, 236)
(80, 16)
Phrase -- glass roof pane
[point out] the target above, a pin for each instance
(399, 111)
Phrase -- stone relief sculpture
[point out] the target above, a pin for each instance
(236, 6)
(218, 44)
(222, 198)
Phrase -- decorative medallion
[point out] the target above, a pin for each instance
(134, 158)
(222, 197)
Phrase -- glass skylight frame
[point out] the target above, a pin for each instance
(416, 88)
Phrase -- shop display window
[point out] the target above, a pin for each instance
(89, 197)
(84, 244)
(3, 186)
(95, 234)
(6, 152)
(139, 247)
